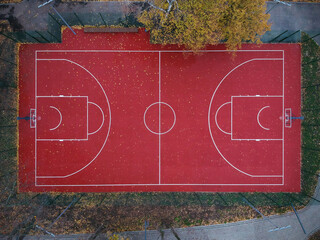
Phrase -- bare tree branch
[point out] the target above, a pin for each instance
(156, 7)
(170, 7)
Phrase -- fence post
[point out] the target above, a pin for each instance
(55, 19)
(289, 36)
(78, 19)
(314, 60)
(223, 199)
(42, 36)
(298, 218)
(7, 36)
(311, 38)
(271, 200)
(278, 36)
(33, 37)
(311, 197)
(63, 20)
(53, 36)
(102, 19)
(297, 200)
(8, 61)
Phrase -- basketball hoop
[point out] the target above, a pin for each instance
(289, 118)
(33, 120)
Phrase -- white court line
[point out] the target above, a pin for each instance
(61, 96)
(156, 184)
(157, 51)
(159, 133)
(258, 139)
(258, 118)
(102, 117)
(159, 145)
(254, 96)
(65, 139)
(216, 115)
(160, 118)
(209, 117)
(60, 119)
(61, 139)
(36, 107)
(283, 115)
(108, 132)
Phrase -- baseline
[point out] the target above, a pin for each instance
(102, 118)
(60, 119)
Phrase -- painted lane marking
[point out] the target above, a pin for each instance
(258, 117)
(215, 118)
(102, 117)
(60, 120)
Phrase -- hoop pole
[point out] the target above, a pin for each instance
(294, 118)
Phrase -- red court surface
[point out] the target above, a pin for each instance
(112, 112)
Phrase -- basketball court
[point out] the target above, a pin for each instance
(112, 112)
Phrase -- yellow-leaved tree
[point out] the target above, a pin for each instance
(196, 23)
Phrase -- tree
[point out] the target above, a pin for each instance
(196, 23)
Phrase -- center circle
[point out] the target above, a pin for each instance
(159, 118)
